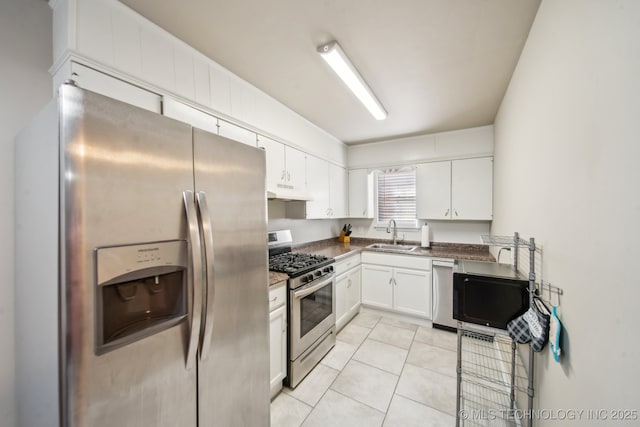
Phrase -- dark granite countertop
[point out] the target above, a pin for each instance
(334, 249)
(275, 277)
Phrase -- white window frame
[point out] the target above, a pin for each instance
(401, 224)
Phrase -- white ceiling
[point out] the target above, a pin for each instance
(435, 65)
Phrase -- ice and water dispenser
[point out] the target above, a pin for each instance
(140, 290)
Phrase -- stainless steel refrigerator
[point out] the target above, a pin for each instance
(141, 271)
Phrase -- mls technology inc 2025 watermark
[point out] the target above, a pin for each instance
(551, 414)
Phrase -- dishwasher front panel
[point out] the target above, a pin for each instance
(443, 296)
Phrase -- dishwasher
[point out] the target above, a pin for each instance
(443, 296)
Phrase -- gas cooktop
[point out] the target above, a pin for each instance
(296, 264)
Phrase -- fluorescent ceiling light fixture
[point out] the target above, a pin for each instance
(335, 57)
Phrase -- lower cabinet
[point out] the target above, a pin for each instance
(277, 339)
(347, 296)
(377, 286)
(398, 283)
(412, 292)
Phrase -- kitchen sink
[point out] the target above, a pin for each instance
(394, 248)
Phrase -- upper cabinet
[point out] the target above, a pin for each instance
(360, 193)
(318, 188)
(472, 188)
(433, 186)
(286, 166)
(456, 189)
(237, 133)
(337, 191)
(104, 84)
(327, 186)
(205, 121)
(196, 118)
(110, 37)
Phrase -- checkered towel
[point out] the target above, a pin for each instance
(532, 326)
(518, 330)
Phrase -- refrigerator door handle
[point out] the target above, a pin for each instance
(195, 276)
(207, 231)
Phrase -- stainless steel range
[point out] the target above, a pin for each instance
(312, 304)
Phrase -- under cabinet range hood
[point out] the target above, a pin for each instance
(287, 194)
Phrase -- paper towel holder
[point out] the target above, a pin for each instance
(424, 236)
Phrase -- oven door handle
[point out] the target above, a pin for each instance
(311, 288)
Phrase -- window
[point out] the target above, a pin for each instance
(396, 197)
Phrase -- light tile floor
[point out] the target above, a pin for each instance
(382, 372)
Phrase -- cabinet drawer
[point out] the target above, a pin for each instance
(347, 263)
(277, 296)
(393, 260)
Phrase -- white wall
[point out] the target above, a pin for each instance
(25, 87)
(566, 172)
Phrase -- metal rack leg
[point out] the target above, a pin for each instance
(513, 376)
(459, 376)
(532, 287)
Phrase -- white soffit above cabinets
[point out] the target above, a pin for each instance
(436, 65)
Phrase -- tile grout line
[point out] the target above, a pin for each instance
(377, 322)
(419, 367)
(340, 371)
(400, 376)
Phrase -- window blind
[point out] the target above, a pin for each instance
(396, 196)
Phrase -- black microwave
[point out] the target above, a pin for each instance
(488, 294)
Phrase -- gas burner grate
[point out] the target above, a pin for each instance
(294, 263)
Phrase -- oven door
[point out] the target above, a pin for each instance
(312, 313)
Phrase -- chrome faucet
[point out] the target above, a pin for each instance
(395, 230)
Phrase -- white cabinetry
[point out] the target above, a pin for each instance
(184, 113)
(156, 48)
(327, 186)
(286, 166)
(318, 188)
(202, 120)
(278, 336)
(472, 188)
(456, 189)
(433, 185)
(108, 36)
(237, 133)
(95, 81)
(360, 193)
(337, 191)
(412, 291)
(397, 282)
(377, 285)
(347, 290)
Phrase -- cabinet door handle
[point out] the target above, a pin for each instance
(364, 212)
(288, 176)
(274, 299)
(455, 211)
(349, 283)
(284, 172)
(446, 213)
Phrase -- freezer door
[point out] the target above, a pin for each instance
(233, 383)
(123, 171)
